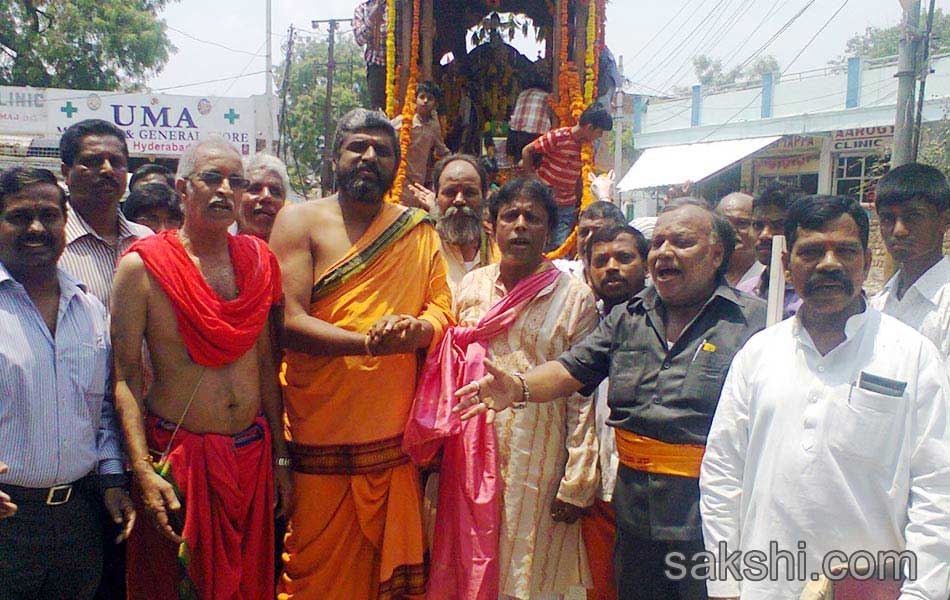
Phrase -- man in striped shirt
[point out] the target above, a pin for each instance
(57, 427)
(555, 159)
(95, 161)
(95, 166)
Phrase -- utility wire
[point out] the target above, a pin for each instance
(674, 54)
(663, 46)
(800, 52)
(211, 43)
(710, 39)
(662, 29)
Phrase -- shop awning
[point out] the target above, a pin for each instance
(672, 165)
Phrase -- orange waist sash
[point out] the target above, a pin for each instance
(653, 456)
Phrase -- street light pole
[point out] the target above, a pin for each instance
(269, 79)
(906, 87)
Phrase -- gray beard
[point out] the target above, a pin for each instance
(458, 227)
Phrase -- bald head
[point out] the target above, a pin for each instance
(737, 209)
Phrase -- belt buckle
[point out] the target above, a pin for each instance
(54, 498)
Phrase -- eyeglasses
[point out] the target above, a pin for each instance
(214, 179)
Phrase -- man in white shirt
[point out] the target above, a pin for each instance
(830, 437)
(913, 204)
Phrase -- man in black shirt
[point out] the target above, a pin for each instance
(666, 353)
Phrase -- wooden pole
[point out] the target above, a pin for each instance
(427, 32)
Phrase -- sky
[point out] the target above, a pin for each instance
(221, 43)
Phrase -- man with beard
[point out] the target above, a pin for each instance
(913, 205)
(57, 423)
(365, 291)
(768, 220)
(616, 259)
(211, 419)
(461, 184)
(743, 266)
(265, 195)
(830, 440)
(667, 352)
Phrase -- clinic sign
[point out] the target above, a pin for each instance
(863, 139)
(22, 110)
(156, 124)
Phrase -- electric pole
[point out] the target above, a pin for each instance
(618, 134)
(282, 125)
(269, 81)
(907, 84)
(924, 72)
(328, 106)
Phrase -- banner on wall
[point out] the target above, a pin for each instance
(156, 124)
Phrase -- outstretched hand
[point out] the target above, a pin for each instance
(496, 391)
(423, 195)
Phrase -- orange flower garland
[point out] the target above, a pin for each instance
(408, 108)
(390, 57)
(572, 100)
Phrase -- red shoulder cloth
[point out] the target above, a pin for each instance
(216, 331)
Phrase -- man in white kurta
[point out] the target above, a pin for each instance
(913, 206)
(545, 451)
(831, 431)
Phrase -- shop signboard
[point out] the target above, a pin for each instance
(863, 139)
(22, 110)
(156, 124)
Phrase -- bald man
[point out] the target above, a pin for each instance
(737, 209)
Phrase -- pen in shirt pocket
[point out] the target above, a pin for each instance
(706, 345)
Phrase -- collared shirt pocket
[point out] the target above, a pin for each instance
(87, 365)
(626, 372)
(867, 425)
(705, 376)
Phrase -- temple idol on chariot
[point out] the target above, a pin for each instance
(465, 46)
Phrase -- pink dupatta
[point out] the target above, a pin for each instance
(464, 561)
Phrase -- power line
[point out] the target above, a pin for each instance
(673, 54)
(662, 29)
(776, 35)
(661, 48)
(253, 58)
(708, 40)
(796, 57)
(773, 10)
(211, 43)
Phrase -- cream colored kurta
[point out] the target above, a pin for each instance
(544, 450)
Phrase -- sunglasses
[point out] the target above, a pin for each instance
(214, 179)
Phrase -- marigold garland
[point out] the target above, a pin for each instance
(573, 99)
(408, 108)
(391, 58)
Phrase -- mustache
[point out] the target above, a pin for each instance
(820, 279)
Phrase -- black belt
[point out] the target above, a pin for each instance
(51, 496)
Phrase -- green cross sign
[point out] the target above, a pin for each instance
(69, 109)
(231, 116)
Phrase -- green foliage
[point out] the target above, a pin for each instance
(82, 44)
(878, 42)
(306, 101)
